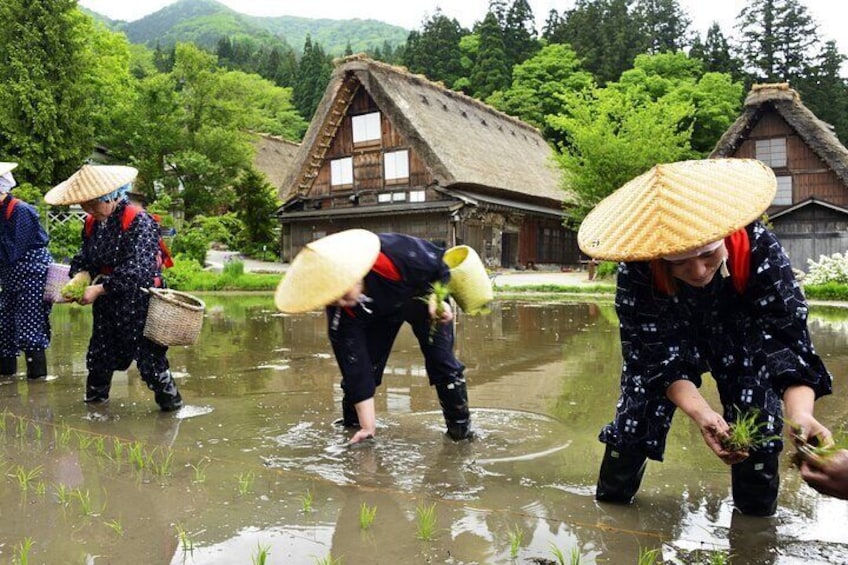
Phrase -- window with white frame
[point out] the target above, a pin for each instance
(366, 128)
(417, 195)
(341, 172)
(396, 166)
(783, 197)
(772, 152)
(384, 197)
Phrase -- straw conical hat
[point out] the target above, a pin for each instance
(325, 269)
(6, 167)
(677, 207)
(91, 181)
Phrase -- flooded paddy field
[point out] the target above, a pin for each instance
(253, 466)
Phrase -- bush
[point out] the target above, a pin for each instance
(191, 243)
(65, 240)
(606, 269)
(827, 291)
(180, 276)
(833, 269)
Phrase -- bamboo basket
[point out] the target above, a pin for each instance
(173, 317)
(57, 277)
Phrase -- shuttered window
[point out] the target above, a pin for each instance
(772, 152)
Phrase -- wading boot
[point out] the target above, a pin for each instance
(97, 386)
(453, 397)
(8, 366)
(36, 362)
(349, 418)
(755, 482)
(620, 476)
(165, 392)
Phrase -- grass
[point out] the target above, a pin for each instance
(261, 555)
(115, 526)
(366, 515)
(746, 433)
(27, 478)
(200, 470)
(516, 536)
(426, 521)
(648, 556)
(245, 482)
(22, 552)
(306, 501)
(185, 541)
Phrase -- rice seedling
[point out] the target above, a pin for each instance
(245, 482)
(99, 443)
(63, 434)
(22, 552)
(64, 494)
(426, 521)
(39, 433)
(22, 425)
(261, 556)
(3, 416)
(40, 488)
(200, 470)
(185, 540)
(306, 501)
(84, 441)
(25, 478)
(516, 536)
(439, 293)
(746, 433)
(115, 526)
(366, 515)
(86, 505)
(574, 559)
(648, 556)
(135, 454)
(117, 451)
(161, 466)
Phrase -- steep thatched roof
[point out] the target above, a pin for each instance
(274, 157)
(817, 134)
(463, 142)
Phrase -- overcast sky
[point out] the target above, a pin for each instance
(410, 13)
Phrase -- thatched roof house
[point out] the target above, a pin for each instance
(809, 161)
(391, 151)
(274, 157)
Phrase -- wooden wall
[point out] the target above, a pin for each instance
(811, 232)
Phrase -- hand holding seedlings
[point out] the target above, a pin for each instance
(828, 475)
(75, 289)
(438, 307)
(746, 434)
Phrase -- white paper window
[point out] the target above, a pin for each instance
(417, 196)
(783, 197)
(366, 127)
(341, 171)
(772, 152)
(396, 165)
(385, 197)
(398, 196)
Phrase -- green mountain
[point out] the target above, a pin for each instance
(203, 22)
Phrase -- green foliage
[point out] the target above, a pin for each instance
(256, 201)
(606, 269)
(184, 271)
(746, 432)
(65, 240)
(435, 50)
(311, 78)
(191, 243)
(491, 71)
(188, 275)
(827, 291)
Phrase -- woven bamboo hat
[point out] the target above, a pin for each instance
(469, 284)
(677, 207)
(325, 269)
(91, 181)
(6, 167)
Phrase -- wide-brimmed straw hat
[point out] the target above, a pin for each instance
(677, 207)
(6, 167)
(326, 269)
(90, 182)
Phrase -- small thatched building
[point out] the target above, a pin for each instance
(274, 157)
(810, 210)
(391, 151)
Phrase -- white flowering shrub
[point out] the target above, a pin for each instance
(828, 269)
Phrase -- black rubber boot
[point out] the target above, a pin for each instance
(620, 476)
(165, 392)
(8, 366)
(755, 482)
(36, 362)
(453, 398)
(97, 386)
(349, 417)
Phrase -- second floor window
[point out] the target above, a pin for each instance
(772, 152)
(783, 197)
(341, 172)
(396, 166)
(366, 129)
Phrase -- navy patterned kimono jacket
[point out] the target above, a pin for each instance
(24, 258)
(754, 343)
(126, 262)
(362, 336)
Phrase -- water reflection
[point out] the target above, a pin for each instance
(256, 441)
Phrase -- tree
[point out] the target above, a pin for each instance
(490, 71)
(46, 116)
(434, 51)
(256, 203)
(716, 53)
(825, 92)
(519, 34)
(664, 109)
(311, 78)
(777, 37)
(539, 86)
(665, 25)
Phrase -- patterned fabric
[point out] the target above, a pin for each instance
(362, 337)
(24, 314)
(755, 345)
(126, 262)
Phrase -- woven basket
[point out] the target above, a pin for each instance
(469, 284)
(173, 318)
(57, 277)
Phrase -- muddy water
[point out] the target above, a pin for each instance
(254, 464)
